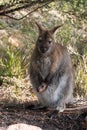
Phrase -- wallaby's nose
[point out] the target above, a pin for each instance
(43, 49)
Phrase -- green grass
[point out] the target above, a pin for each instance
(11, 63)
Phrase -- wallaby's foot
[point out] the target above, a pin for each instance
(61, 108)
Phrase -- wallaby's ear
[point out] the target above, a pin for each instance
(55, 28)
(39, 27)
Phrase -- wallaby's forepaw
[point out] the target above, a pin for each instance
(42, 87)
(49, 78)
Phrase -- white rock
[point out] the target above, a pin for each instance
(2, 128)
(21, 126)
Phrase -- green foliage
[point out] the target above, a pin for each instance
(73, 34)
(28, 29)
(11, 63)
(80, 71)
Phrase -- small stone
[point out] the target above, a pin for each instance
(21, 126)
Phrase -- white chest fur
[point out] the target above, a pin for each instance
(44, 66)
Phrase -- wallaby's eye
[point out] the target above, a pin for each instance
(50, 41)
(40, 39)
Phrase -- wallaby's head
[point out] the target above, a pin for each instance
(45, 42)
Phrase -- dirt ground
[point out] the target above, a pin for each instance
(11, 112)
(46, 119)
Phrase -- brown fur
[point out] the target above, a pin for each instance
(51, 71)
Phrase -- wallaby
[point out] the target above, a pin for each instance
(51, 71)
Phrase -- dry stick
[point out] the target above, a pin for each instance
(76, 109)
(15, 9)
(5, 13)
(27, 13)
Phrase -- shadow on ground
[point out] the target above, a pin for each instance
(44, 118)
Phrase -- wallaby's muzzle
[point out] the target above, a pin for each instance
(43, 49)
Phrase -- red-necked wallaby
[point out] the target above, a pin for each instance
(51, 71)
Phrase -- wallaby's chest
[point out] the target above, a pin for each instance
(44, 66)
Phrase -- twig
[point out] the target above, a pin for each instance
(28, 12)
(26, 5)
(76, 109)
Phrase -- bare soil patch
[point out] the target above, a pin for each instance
(46, 119)
(12, 111)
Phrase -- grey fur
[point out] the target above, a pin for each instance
(55, 63)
